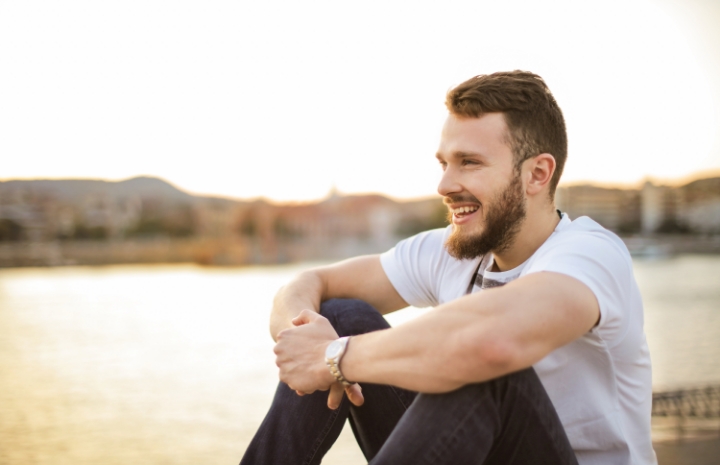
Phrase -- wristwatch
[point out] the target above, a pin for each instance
(333, 355)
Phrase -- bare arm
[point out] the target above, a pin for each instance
(478, 337)
(471, 339)
(358, 278)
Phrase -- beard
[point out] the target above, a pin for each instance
(503, 218)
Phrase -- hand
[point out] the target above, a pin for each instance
(300, 355)
(354, 393)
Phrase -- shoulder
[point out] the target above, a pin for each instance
(584, 239)
(598, 258)
(422, 271)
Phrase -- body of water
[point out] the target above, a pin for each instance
(174, 364)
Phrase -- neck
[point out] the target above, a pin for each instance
(535, 230)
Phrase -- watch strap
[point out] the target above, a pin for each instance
(334, 364)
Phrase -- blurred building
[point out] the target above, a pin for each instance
(698, 206)
(693, 208)
(336, 227)
(615, 209)
(149, 220)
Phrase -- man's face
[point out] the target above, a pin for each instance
(484, 193)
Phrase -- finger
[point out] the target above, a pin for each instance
(300, 393)
(335, 396)
(305, 317)
(354, 393)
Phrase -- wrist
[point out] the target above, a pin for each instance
(334, 354)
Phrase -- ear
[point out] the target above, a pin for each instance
(539, 171)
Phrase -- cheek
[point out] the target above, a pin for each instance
(481, 192)
(486, 188)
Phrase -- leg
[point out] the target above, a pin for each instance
(300, 430)
(296, 430)
(372, 422)
(509, 420)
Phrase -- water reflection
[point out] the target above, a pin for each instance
(682, 318)
(173, 364)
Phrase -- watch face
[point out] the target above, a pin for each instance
(334, 349)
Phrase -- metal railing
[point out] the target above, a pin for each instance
(687, 404)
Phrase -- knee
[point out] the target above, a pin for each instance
(523, 383)
(526, 379)
(350, 317)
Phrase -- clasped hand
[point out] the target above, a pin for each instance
(300, 355)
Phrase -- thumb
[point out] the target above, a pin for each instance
(305, 317)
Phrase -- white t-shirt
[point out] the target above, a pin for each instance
(600, 384)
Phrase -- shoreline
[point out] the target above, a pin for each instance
(239, 251)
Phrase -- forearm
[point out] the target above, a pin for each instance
(304, 292)
(477, 337)
(437, 352)
(357, 278)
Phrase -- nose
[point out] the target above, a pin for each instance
(448, 183)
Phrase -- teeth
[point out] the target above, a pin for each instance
(460, 210)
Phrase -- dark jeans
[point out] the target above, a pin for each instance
(508, 420)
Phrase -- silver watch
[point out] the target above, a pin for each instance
(333, 355)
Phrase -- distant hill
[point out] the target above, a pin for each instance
(76, 189)
(707, 184)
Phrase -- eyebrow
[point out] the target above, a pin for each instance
(461, 155)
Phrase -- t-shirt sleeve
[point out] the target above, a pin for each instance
(603, 264)
(414, 266)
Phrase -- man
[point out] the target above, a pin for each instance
(534, 351)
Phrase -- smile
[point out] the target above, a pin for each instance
(462, 211)
(464, 214)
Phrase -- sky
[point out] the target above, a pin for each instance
(287, 100)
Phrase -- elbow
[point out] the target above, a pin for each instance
(498, 356)
(486, 357)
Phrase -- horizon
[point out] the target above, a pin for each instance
(676, 182)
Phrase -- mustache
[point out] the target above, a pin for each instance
(450, 199)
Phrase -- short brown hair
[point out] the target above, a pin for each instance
(533, 117)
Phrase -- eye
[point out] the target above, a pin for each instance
(443, 164)
(467, 162)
